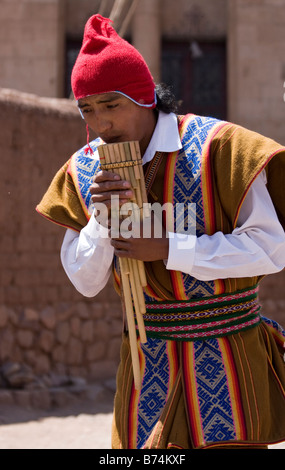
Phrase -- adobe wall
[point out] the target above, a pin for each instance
(32, 42)
(44, 322)
(45, 325)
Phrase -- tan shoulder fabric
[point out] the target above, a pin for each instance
(61, 204)
(239, 155)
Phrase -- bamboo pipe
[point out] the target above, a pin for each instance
(105, 158)
(113, 156)
(122, 153)
(140, 195)
(132, 330)
(137, 274)
(117, 153)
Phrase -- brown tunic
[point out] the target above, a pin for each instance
(237, 157)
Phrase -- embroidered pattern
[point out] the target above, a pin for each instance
(188, 170)
(208, 303)
(214, 400)
(213, 329)
(187, 185)
(214, 406)
(189, 321)
(183, 184)
(83, 169)
(153, 393)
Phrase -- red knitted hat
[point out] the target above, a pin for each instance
(107, 63)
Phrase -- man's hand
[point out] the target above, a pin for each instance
(107, 184)
(147, 241)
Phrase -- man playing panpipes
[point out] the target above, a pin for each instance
(212, 369)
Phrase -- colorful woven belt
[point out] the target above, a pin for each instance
(209, 317)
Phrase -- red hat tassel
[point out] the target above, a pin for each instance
(88, 148)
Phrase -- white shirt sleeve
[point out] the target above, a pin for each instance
(87, 257)
(256, 247)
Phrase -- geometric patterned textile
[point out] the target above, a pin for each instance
(214, 399)
(185, 184)
(211, 392)
(146, 406)
(154, 390)
(83, 169)
(212, 396)
(188, 169)
(204, 318)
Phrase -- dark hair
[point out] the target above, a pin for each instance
(166, 100)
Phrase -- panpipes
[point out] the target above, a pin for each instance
(125, 159)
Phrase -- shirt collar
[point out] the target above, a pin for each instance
(165, 138)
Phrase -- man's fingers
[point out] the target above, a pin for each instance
(109, 186)
(104, 175)
(123, 196)
(121, 247)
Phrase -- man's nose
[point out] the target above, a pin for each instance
(102, 123)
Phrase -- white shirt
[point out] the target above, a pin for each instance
(256, 247)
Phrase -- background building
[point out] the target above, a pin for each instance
(223, 57)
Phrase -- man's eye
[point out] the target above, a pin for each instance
(86, 111)
(112, 106)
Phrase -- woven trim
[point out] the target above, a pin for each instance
(194, 304)
(210, 317)
(122, 164)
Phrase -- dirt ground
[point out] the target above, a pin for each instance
(84, 424)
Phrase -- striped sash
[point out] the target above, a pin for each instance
(208, 317)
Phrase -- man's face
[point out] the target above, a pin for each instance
(115, 118)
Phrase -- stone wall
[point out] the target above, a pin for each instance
(45, 323)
